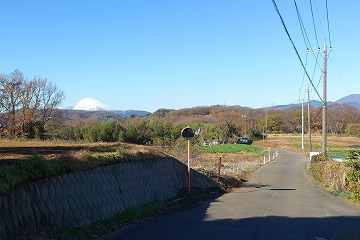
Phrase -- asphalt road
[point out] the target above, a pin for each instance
(280, 201)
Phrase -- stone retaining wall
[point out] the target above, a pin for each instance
(84, 197)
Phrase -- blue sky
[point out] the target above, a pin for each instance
(146, 55)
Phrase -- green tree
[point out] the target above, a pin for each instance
(273, 124)
(212, 132)
(228, 132)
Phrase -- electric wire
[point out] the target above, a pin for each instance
(296, 51)
(342, 80)
(321, 76)
(313, 75)
(303, 30)
(304, 33)
(313, 20)
(302, 83)
(319, 18)
(328, 24)
(313, 120)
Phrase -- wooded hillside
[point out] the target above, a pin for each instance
(224, 124)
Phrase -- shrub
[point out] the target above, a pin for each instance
(319, 158)
(331, 174)
(352, 164)
(353, 155)
(353, 176)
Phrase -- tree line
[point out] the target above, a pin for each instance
(26, 105)
(218, 123)
(29, 109)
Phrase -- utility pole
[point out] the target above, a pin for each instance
(266, 123)
(309, 121)
(244, 116)
(302, 124)
(324, 118)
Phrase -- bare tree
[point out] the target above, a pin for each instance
(11, 92)
(340, 116)
(40, 103)
(49, 100)
(27, 106)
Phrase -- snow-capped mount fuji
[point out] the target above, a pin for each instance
(91, 104)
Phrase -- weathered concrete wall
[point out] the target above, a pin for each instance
(83, 197)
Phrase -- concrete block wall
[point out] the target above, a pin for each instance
(84, 197)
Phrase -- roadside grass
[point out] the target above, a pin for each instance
(103, 226)
(230, 148)
(340, 178)
(342, 194)
(345, 195)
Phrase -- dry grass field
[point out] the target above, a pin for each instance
(293, 142)
(17, 151)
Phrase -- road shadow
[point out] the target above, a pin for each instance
(196, 223)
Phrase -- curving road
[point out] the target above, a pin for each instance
(279, 202)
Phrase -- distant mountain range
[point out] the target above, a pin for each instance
(352, 100)
(90, 109)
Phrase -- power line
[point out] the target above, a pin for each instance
(304, 33)
(296, 51)
(313, 20)
(321, 76)
(342, 80)
(312, 77)
(328, 24)
(320, 110)
(302, 83)
(317, 11)
(313, 74)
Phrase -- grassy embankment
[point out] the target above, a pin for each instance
(26, 161)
